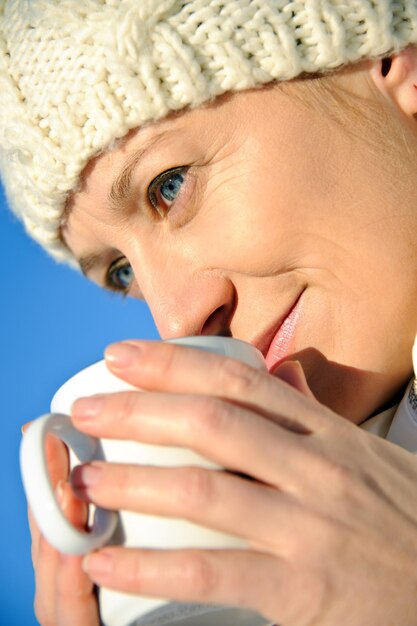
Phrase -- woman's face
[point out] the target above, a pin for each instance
(256, 217)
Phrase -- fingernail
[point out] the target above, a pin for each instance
(85, 476)
(122, 355)
(86, 408)
(98, 564)
(25, 427)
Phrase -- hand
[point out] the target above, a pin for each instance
(330, 515)
(64, 593)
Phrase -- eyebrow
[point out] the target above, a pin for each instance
(119, 194)
(121, 188)
(90, 261)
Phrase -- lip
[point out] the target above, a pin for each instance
(275, 344)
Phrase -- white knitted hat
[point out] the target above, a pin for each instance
(77, 74)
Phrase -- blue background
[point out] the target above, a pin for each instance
(53, 322)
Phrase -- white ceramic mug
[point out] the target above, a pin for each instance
(127, 528)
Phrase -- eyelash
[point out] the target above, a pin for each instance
(110, 282)
(159, 181)
(152, 192)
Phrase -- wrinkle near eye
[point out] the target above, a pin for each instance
(90, 262)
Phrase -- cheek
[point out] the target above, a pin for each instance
(251, 227)
(239, 235)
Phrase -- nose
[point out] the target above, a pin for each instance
(202, 303)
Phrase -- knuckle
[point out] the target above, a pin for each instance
(168, 359)
(122, 481)
(134, 572)
(341, 477)
(315, 587)
(209, 417)
(123, 406)
(199, 576)
(195, 489)
(238, 378)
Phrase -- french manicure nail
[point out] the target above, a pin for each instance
(98, 564)
(122, 355)
(86, 408)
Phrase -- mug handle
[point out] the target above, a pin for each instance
(52, 522)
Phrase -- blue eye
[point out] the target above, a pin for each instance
(171, 187)
(120, 276)
(165, 188)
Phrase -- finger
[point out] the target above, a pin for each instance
(75, 599)
(179, 369)
(48, 564)
(57, 459)
(220, 431)
(25, 427)
(292, 373)
(74, 508)
(35, 536)
(46, 567)
(237, 578)
(56, 456)
(254, 511)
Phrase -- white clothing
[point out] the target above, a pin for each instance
(398, 423)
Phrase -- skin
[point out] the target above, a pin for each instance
(295, 206)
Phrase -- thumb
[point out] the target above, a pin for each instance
(292, 373)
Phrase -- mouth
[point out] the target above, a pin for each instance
(276, 343)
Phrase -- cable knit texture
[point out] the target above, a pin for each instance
(76, 75)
